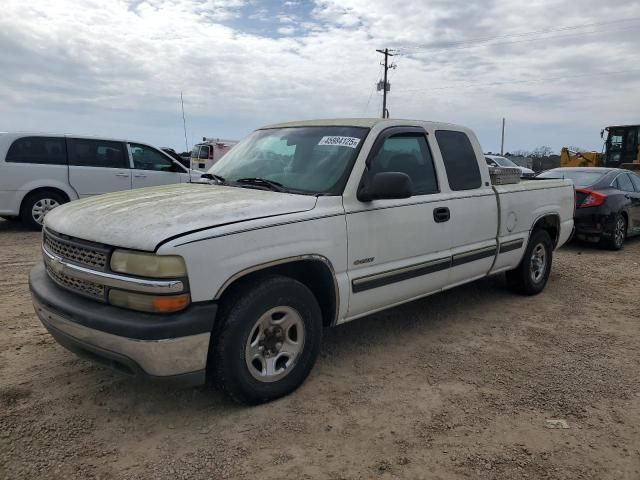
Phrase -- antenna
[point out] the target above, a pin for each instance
(184, 126)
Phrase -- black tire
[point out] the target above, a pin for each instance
(240, 312)
(525, 279)
(618, 233)
(44, 197)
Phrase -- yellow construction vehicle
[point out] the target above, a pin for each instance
(621, 150)
(622, 147)
(571, 158)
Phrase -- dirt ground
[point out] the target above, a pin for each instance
(459, 385)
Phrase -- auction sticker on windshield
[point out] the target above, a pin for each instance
(351, 142)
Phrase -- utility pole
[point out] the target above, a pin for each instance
(384, 86)
(502, 141)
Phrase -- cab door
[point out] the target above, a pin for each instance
(98, 166)
(473, 226)
(151, 167)
(398, 249)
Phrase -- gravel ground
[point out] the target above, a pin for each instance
(459, 385)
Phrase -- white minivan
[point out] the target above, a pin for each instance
(38, 172)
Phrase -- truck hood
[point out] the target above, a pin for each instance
(142, 218)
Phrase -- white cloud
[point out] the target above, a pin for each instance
(118, 67)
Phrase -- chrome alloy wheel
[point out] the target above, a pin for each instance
(275, 343)
(42, 207)
(619, 231)
(538, 263)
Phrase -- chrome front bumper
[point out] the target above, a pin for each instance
(173, 347)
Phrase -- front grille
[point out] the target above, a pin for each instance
(76, 253)
(88, 289)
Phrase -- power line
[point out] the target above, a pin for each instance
(373, 89)
(514, 82)
(537, 34)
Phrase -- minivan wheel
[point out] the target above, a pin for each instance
(530, 277)
(268, 341)
(36, 206)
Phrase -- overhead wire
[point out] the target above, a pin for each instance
(536, 35)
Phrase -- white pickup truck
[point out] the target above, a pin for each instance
(302, 225)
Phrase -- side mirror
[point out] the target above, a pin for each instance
(387, 186)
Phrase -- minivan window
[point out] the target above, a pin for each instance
(43, 150)
(97, 153)
(147, 158)
(460, 160)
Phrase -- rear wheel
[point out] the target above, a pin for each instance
(530, 277)
(618, 233)
(269, 339)
(36, 206)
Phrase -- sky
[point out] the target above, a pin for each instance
(558, 71)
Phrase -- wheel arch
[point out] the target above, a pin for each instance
(37, 190)
(314, 271)
(549, 222)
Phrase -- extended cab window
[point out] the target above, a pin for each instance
(97, 153)
(44, 150)
(460, 160)
(147, 158)
(409, 154)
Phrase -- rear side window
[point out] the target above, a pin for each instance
(460, 160)
(97, 153)
(43, 150)
(635, 178)
(623, 182)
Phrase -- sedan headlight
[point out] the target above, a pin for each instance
(148, 264)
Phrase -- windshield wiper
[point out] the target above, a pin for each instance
(212, 176)
(263, 182)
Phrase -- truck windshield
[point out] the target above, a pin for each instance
(311, 160)
(504, 162)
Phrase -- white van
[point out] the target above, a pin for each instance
(38, 172)
(204, 155)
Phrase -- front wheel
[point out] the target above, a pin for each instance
(269, 339)
(37, 205)
(530, 277)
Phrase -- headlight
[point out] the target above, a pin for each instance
(149, 303)
(148, 264)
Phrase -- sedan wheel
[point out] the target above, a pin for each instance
(618, 233)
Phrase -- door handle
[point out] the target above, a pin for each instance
(139, 175)
(122, 174)
(441, 214)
